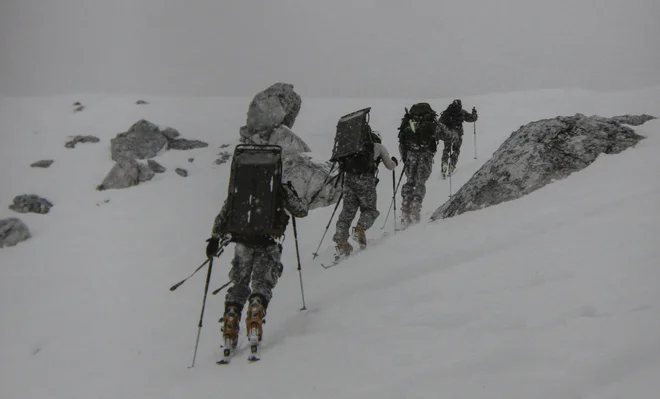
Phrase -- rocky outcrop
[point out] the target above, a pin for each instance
(145, 140)
(126, 173)
(30, 204)
(13, 231)
(42, 164)
(81, 139)
(537, 154)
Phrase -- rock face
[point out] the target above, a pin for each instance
(275, 106)
(534, 156)
(30, 204)
(42, 164)
(81, 139)
(270, 117)
(13, 231)
(126, 173)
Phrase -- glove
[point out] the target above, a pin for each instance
(396, 162)
(212, 247)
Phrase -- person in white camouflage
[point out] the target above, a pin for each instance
(359, 193)
(256, 266)
(453, 118)
(419, 134)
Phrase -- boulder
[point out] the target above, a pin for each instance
(155, 166)
(13, 231)
(126, 173)
(143, 140)
(535, 155)
(30, 204)
(43, 163)
(181, 172)
(81, 139)
(185, 144)
(275, 106)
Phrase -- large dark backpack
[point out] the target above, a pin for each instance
(255, 201)
(418, 127)
(354, 144)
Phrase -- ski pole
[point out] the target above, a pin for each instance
(475, 139)
(201, 317)
(450, 171)
(221, 288)
(394, 197)
(316, 253)
(223, 244)
(295, 234)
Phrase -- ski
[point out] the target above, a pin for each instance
(255, 346)
(228, 352)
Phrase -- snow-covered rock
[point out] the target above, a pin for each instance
(13, 231)
(275, 106)
(632, 120)
(155, 166)
(45, 163)
(126, 172)
(535, 155)
(146, 140)
(81, 139)
(143, 140)
(30, 204)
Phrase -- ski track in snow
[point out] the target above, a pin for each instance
(553, 295)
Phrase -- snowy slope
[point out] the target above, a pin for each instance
(554, 295)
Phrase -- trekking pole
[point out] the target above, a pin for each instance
(201, 317)
(295, 235)
(225, 241)
(394, 198)
(332, 216)
(328, 226)
(450, 172)
(475, 139)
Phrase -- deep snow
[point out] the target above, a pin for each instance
(554, 295)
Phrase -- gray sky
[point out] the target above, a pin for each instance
(352, 48)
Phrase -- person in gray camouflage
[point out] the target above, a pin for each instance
(419, 135)
(453, 118)
(256, 267)
(359, 192)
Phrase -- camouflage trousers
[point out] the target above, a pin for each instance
(359, 193)
(255, 270)
(453, 147)
(418, 167)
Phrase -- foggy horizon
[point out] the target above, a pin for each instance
(359, 48)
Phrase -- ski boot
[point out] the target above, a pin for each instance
(359, 234)
(406, 219)
(443, 169)
(415, 211)
(254, 320)
(230, 327)
(343, 249)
